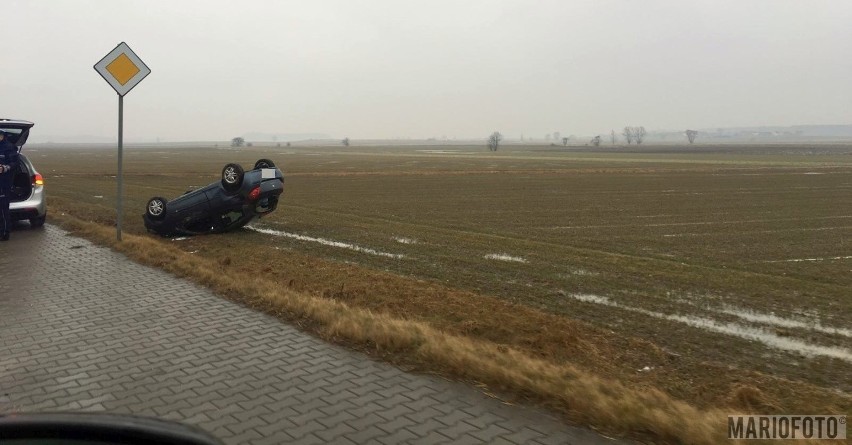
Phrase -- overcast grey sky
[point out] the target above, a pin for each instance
(385, 68)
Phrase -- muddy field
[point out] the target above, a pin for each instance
(728, 259)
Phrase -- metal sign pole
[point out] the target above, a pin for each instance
(120, 208)
(123, 70)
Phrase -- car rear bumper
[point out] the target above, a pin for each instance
(34, 207)
(270, 190)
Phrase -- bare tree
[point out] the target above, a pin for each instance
(237, 142)
(634, 134)
(596, 141)
(565, 141)
(345, 142)
(628, 134)
(639, 133)
(494, 141)
(691, 134)
(612, 136)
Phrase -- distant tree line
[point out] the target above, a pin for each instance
(631, 134)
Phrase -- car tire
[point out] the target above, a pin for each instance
(37, 222)
(264, 163)
(232, 177)
(156, 208)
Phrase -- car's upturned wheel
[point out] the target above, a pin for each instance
(156, 208)
(264, 163)
(37, 222)
(232, 177)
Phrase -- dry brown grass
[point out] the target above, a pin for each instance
(582, 397)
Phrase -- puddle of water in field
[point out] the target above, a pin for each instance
(403, 240)
(504, 257)
(703, 223)
(799, 260)
(326, 242)
(812, 229)
(597, 299)
(579, 272)
(772, 319)
(746, 332)
(445, 152)
(655, 216)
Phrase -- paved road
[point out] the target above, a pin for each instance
(84, 329)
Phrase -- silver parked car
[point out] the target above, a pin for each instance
(28, 200)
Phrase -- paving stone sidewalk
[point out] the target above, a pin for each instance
(84, 329)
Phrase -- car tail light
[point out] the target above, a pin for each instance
(38, 179)
(255, 193)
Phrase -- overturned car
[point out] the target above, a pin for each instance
(228, 204)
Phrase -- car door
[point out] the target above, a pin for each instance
(17, 130)
(190, 208)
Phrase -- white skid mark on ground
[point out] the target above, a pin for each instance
(326, 242)
(180, 238)
(504, 257)
(403, 240)
(799, 260)
(737, 330)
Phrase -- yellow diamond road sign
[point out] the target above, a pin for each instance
(122, 69)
